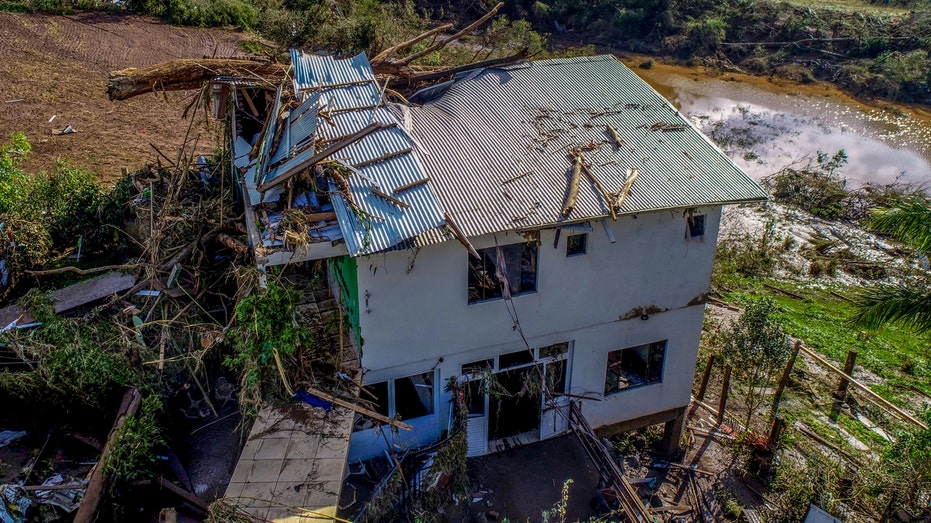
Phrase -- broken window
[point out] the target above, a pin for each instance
(413, 396)
(696, 226)
(576, 244)
(635, 366)
(478, 367)
(377, 393)
(519, 268)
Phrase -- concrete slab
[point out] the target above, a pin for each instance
(292, 465)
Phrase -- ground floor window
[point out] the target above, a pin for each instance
(635, 367)
(406, 398)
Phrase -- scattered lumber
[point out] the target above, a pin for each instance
(186, 73)
(389, 52)
(435, 75)
(460, 235)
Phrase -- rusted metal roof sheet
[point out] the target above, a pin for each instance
(342, 97)
(495, 143)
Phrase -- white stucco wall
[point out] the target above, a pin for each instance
(412, 323)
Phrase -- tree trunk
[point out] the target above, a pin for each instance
(187, 73)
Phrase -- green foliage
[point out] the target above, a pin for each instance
(266, 324)
(72, 360)
(908, 462)
(756, 346)
(704, 36)
(50, 211)
(132, 456)
(201, 13)
(909, 303)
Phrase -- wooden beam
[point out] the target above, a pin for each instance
(97, 486)
(876, 398)
(356, 408)
(386, 196)
(317, 157)
(408, 186)
(725, 388)
(706, 375)
(425, 77)
(784, 380)
(622, 194)
(460, 235)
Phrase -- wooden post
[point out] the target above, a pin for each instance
(704, 379)
(784, 380)
(725, 387)
(776, 431)
(843, 384)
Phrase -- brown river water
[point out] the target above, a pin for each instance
(766, 124)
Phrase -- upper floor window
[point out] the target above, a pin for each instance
(576, 244)
(635, 366)
(696, 226)
(517, 265)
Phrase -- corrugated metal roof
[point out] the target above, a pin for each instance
(315, 71)
(341, 98)
(495, 144)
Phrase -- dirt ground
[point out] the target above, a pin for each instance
(58, 66)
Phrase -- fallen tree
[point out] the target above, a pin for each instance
(187, 73)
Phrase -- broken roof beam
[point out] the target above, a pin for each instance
(460, 235)
(322, 155)
(424, 77)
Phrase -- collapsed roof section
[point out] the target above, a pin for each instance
(337, 140)
(500, 144)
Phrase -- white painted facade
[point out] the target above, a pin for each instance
(418, 321)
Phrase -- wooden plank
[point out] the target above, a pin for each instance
(356, 408)
(411, 185)
(386, 196)
(872, 395)
(91, 290)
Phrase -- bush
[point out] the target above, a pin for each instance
(132, 456)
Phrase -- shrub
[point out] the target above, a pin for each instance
(815, 188)
(132, 456)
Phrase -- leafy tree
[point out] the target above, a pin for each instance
(910, 305)
(756, 347)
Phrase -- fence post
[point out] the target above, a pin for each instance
(841, 393)
(784, 380)
(704, 379)
(725, 387)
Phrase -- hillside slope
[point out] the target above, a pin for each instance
(58, 66)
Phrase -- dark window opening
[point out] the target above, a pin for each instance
(697, 225)
(520, 271)
(377, 394)
(476, 398)
(552, 351)
(576, 244)
(513, 359)
(413, 396)
(478, 367)
(635, 367)
(556, 376)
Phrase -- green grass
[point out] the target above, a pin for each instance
(821, 321)
(852, 5)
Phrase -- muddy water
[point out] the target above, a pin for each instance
(765, 125)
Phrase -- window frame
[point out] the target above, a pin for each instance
(488, 260)
(584, 247)
(648, 372)
(392, 397)
(696, 225)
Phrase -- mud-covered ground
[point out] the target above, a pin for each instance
(57, 66)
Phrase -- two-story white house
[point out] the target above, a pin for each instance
(479, 273)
